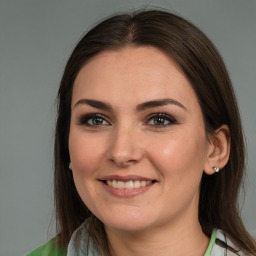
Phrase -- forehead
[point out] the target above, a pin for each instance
(133, 72)
(128, 59)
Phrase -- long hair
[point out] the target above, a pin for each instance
(203, 66)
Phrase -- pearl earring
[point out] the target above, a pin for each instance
(70, 166)
(216, 169)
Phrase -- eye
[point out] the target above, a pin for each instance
(161, 120)
(93, 120)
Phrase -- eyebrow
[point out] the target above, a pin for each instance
(95, 103)
(141, 107)
(159, 103)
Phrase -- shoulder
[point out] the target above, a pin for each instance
(47, 249)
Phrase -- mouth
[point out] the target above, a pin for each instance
(130, 184)
(127, 186)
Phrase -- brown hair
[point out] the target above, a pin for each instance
(201, 63)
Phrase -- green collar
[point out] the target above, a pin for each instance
(213, 237)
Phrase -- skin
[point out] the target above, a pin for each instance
(164, 219)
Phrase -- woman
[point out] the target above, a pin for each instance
(149, 150)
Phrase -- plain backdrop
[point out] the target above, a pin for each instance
(36, 38)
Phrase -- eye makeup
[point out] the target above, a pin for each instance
(160, 120)
(92, 119)
(154, 120)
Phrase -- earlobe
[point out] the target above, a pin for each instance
(219, 150)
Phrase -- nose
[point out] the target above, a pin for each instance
(125, 148)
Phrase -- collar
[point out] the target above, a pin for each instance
(222, 245)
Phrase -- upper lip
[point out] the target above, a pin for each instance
(125, 178)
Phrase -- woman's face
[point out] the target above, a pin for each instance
(137, 141)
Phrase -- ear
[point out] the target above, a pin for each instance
(219, 150)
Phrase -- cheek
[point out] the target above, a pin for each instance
(86, 156)
(86, 153)
(179, 159)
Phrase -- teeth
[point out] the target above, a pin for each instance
(128, 184)
(143, 183)
(136, 184)
(114, 183)
(120, 184)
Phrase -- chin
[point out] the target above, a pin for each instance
(132, 222)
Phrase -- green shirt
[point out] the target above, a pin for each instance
(48, 249)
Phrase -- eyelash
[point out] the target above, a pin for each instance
(153, 117)
(163, 117)
(85, 118)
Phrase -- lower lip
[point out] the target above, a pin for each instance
(126, 193)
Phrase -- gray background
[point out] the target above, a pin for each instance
(36, 38)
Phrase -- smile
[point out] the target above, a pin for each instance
(131, 184)
(127, 189)
(127, 186)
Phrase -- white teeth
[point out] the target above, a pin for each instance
(114, 183)
(120, 184)
(136, 184)
(128, 184)
(143, 183)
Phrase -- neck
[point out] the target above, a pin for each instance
(184, 238)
